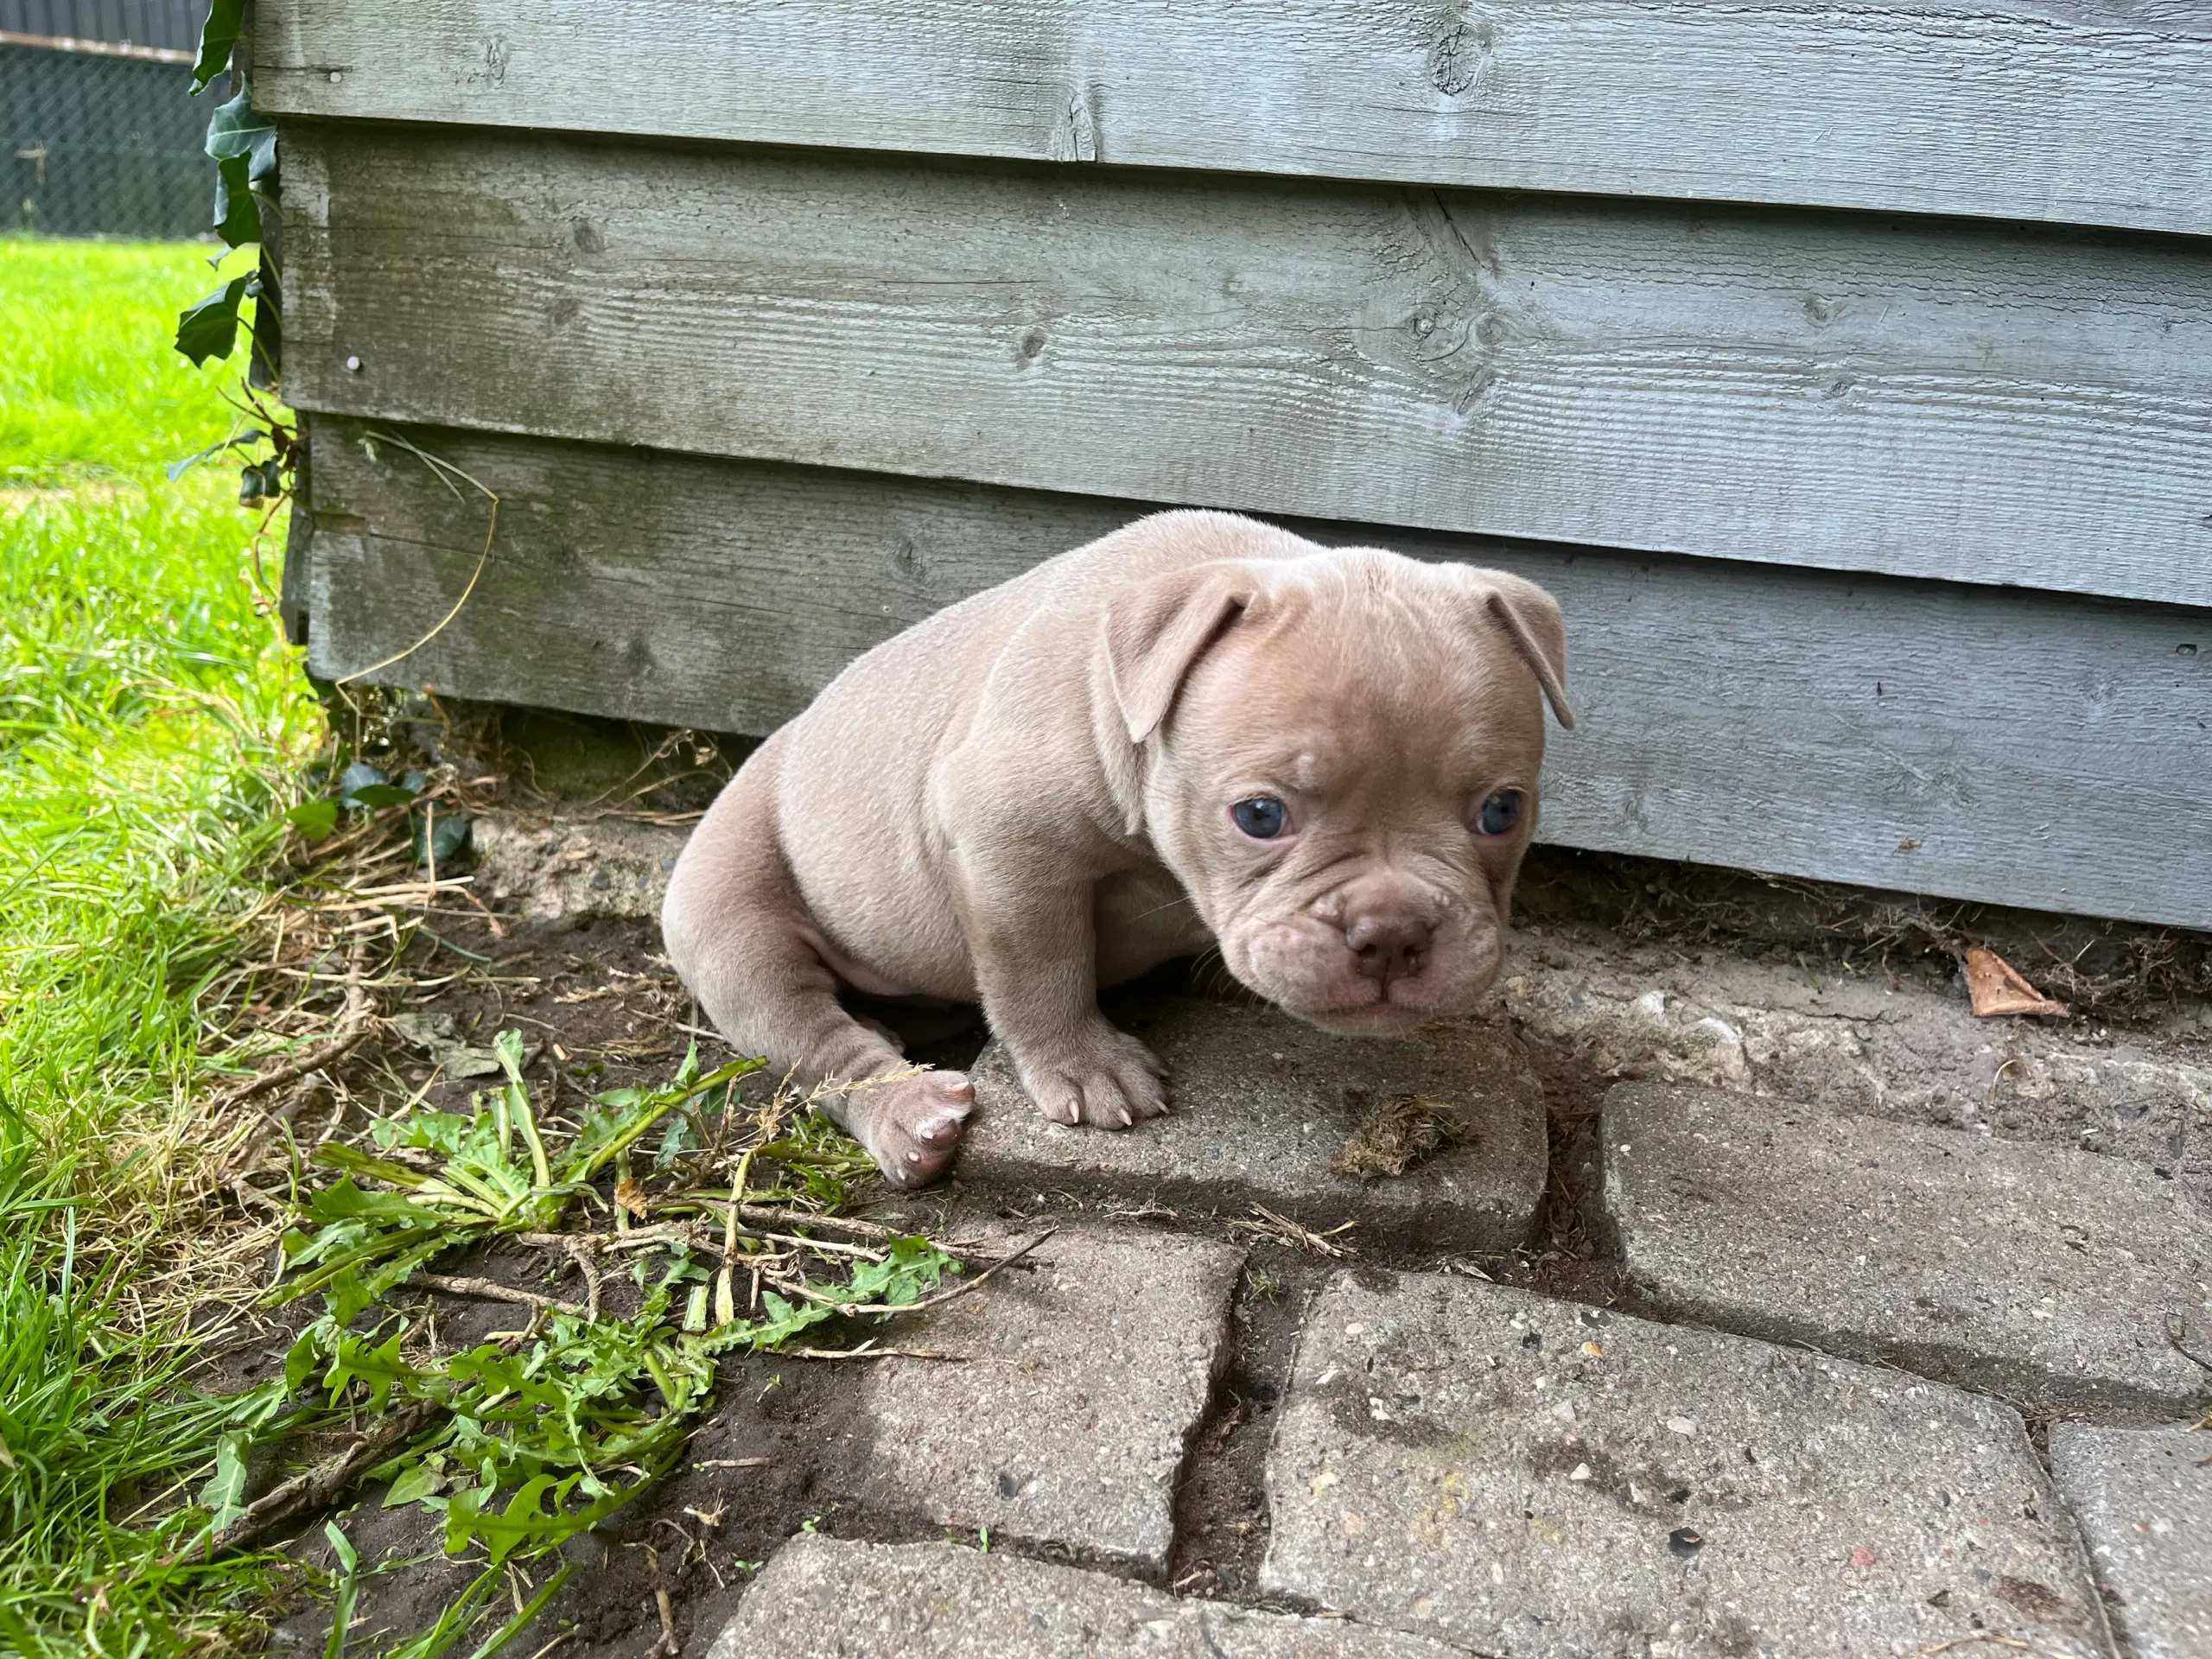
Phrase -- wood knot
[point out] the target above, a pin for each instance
(1458, 59)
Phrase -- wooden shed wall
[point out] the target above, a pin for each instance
(1883, 537)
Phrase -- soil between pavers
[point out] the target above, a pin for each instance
(2063, 1281)
(1065, 1417)
(820, 1597)
(2144, 1499)
(1260, 1104)
(1517, 1475)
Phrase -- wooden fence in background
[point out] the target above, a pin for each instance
(1847, 372)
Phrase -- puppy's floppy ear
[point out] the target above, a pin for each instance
(1531, 620)
(1156, 630)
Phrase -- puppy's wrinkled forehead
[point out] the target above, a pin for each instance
(1362, 671)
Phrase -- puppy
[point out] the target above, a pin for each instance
(1197, 730)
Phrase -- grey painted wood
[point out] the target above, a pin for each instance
(2064, 110)
(1966, 402)
(1979, 743)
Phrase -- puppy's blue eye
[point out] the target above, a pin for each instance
(1500, 812)
(1263, 817)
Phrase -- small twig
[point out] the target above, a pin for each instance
(317, 1487)
(777, 1215)
(707, 1236)
(314, 1060)
(966, 1287)
(440, 468)
(252, 1198)
(580, 1248)
(668, 1644)
(587, 1260)
(2177, 1328)
(1288, 1231)
(456, 1286)
(865, 1352)
(337, 1116)
(353, 1026)
(825, 1246)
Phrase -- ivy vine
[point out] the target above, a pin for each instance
(243, 144)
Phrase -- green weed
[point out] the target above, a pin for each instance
(528, 1440)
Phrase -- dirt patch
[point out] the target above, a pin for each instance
(2120, 972)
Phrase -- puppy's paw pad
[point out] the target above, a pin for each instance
(914, 1124)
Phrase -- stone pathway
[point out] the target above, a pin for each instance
(1269, 1111)
(1070, 1395)
(1518, 1475)
(1496, 1471)
(1861, 1257)
(2144, 1500)
(2063, 1279)
(821, 1597)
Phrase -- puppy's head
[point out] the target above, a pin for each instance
(1340, 760)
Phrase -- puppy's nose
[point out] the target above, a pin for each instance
(1389, 944)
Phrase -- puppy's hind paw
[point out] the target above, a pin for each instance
(911, 1122)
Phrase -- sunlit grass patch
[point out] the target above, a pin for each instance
(88, 385)
(152, 728)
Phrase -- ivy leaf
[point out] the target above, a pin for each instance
(237, 129)
(210, 328)
(357, 776)
(238, 215)
(449, 835)
(314, 820)
(217, 36)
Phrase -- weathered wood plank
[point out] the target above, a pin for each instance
(2061, 110)
(1978, 742)
(1964, 401)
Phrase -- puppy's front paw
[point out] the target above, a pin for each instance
(1105, 1078)
(910, 1122)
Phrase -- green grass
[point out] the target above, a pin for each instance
(152, 725)
(88, 384)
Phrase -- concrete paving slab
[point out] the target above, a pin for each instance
(1084, 1377)
(2061, 1280)
(1517, 1475)
(2144, 1499)
(823, 1597)
(1260, 1106)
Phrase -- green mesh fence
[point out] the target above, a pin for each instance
(98, 145)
